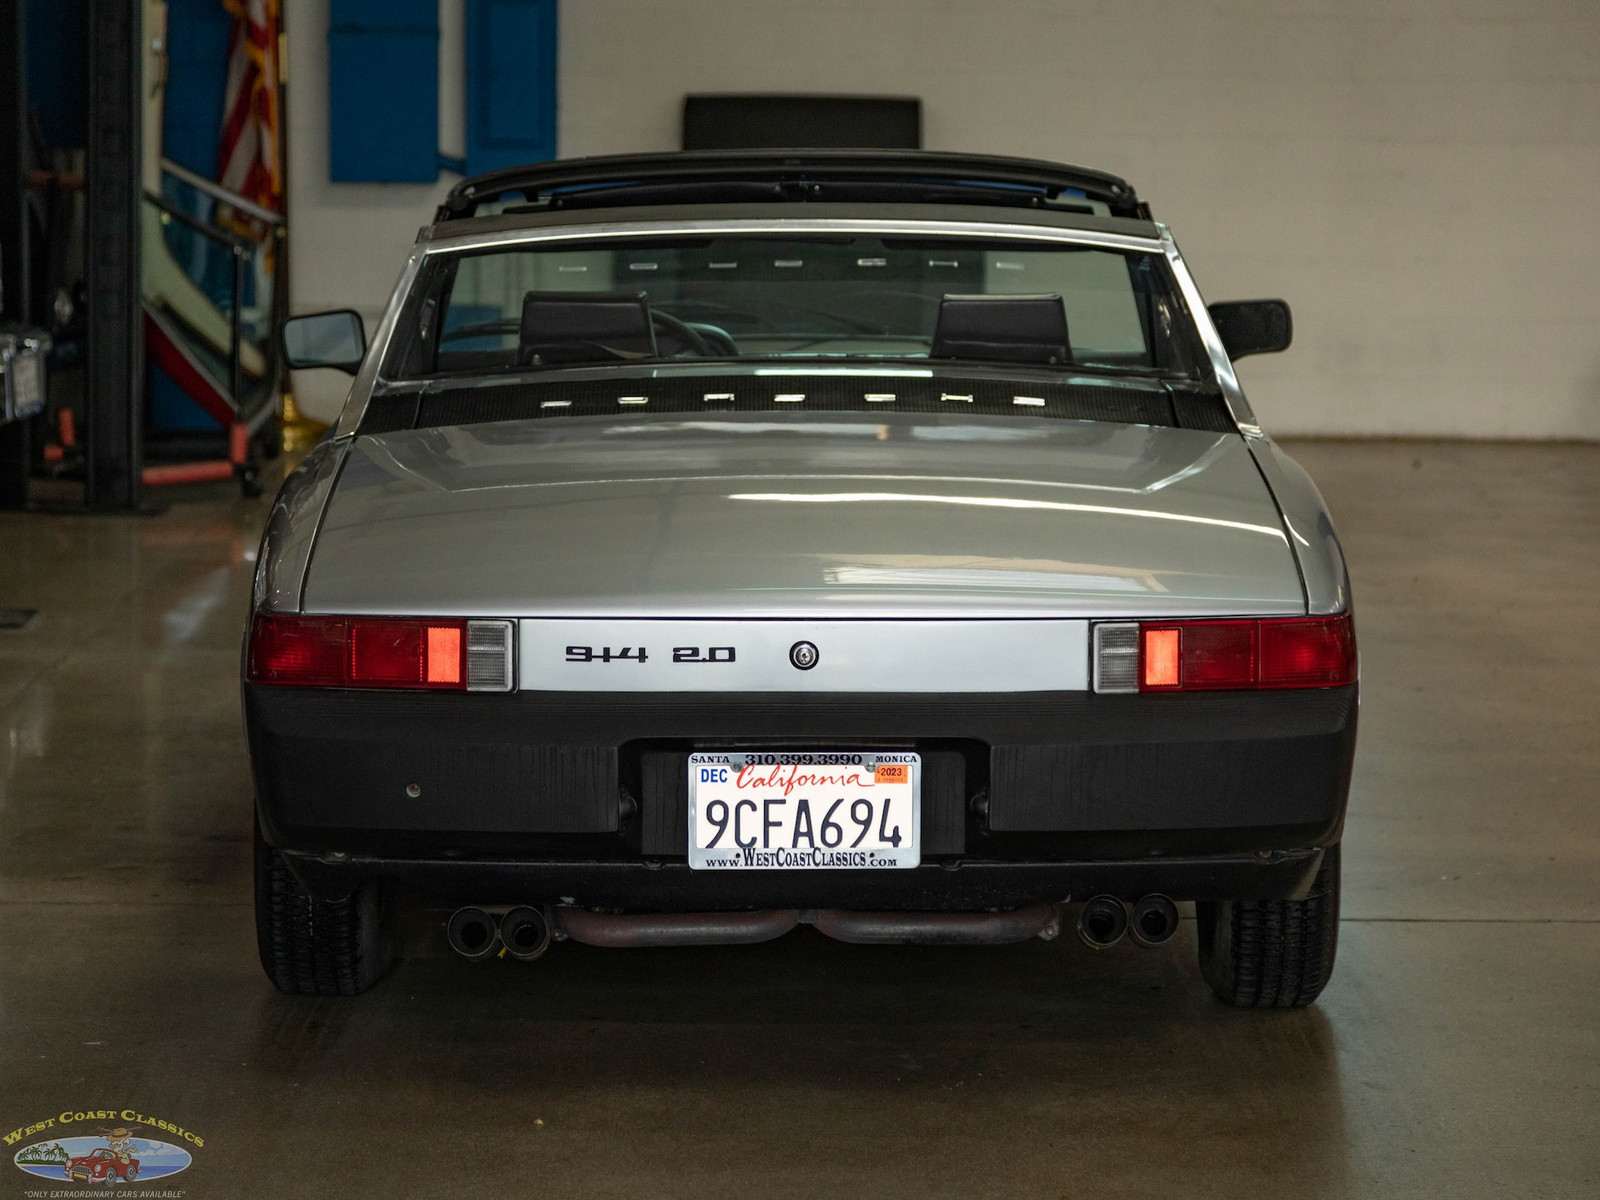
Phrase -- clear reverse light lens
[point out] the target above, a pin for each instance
(1116, 658)
(488, 656)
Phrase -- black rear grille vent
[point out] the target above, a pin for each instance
(797, 393)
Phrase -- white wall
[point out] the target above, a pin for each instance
(347, 240)
(1419, 180)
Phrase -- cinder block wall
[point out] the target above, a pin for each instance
(1420, 180)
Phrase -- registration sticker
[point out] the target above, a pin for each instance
(804, 811)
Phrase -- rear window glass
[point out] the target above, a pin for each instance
(755, 298)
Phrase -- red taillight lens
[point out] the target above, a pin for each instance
(385, 653)
(357, 652)
(1199, 654)
(1316, 653)
(1182, 656)
(406, 653)
(304, 650)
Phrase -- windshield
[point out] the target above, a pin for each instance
(850, 297)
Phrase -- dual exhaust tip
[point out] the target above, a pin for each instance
(476, 934)
(1104, 920)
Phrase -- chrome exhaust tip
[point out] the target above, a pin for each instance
(525, 933)
(1102, 921)
(472, 933)
(1155, 920)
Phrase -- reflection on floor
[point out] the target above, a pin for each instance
(1457, 1051)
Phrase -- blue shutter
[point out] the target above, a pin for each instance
(511, 83)
(198, 34)
(383, 91)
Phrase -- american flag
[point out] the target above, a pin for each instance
(247, 159)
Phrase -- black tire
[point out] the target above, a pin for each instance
(1272, 953)
(313, 947)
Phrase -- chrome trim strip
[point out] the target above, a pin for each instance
(445, 241)
(865, 371)
(355, 404)
(1232, 392)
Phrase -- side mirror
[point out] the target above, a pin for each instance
(1252, 326)
(330, 339)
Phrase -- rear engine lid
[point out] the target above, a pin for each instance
(840, 515)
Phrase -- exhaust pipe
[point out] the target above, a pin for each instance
(632, 930)
(525, 933)
(1102, 921)
(472, 933)
(1155, 920)
(939, 928)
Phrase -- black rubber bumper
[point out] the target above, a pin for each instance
(962, 886)
(1031, 778)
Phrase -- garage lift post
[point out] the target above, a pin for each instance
(113, 394)
(112, 416)
(15, 444)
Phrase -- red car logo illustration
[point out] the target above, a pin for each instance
(102, 1166)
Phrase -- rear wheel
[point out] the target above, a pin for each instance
(312, 947)
(1272, 953)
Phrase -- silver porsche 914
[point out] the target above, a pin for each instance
(716, 543)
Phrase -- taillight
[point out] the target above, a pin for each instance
(305, 650)
(1191, 656)
(406, 654)
(1307, 653)
(381, 652)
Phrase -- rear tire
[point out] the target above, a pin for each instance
(312, 947)
(1272, 953)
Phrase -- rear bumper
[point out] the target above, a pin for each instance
(1026, 796)
(968, 886)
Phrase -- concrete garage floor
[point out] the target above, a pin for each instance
(1456, 1052)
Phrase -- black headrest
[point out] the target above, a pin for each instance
(575, 327)
(1002, 329)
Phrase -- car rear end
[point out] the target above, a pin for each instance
(586, 689)
(906, 651)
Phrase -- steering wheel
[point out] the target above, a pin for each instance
(683, 330)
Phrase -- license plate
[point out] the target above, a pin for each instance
(804, 811)
(26, 383)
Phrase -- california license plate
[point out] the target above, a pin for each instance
(804, 811)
